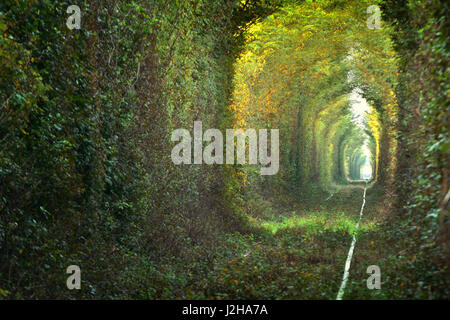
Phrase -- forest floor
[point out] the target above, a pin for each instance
(299, 252)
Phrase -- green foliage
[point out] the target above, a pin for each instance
(84, 130)
(85, 123)
(422, 40)
(294, 74)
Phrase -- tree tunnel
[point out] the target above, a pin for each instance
(304, 70)
(118, 156)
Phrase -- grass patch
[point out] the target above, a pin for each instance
(313, 222)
